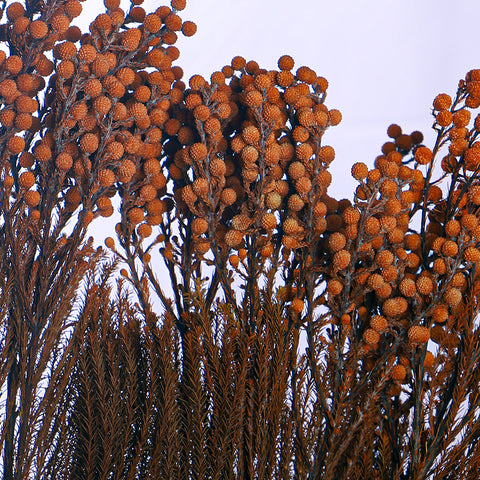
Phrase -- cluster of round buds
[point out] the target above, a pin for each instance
(472, 87)
(121, 75)
(269, 165)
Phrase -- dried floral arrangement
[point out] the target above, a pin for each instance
(274, 331)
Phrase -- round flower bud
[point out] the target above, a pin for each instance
(341, 259)
(471, 254)
(371, 336)
(379, 323)
(424, 285)
(228, 196)
(440, 314)
(32, 198)
(337, 241)
(233, 238)
(297, 305)
(453, 296)
(359, 171)
(398, 372)
(199, 226)
(131, 39)
(393, 307)
(296, 170)
(407, 287)
(106, 177)
(135, 215)
(384, 258)
(418, 334)
(334, 287)
(269, 221)
(423, 155)
(26, 180)
(38, 29)
(449, 248)
(15, 144)
(442, 102)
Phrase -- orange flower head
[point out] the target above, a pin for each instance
(423, 155)
(461, 118)
(13, 64)
(201, 113)
(453, 296)
(440, 314)
(199, 226)
(351, 216)
(73, 8)
(32, 198)
(15, 10)
(251, 135)
(337, 241)
(407, 287)
(137, 14)
(424, 285)
(66, 69)
(341, 259)
(93, 87)
(228, 196)
(295, 202)
(20, 26)
(102, 105)
(359, 171)
(334, 117)
(189, 28)
(469, 221)
(269, 221)
(393, 307)
(398, 372)
(65, 50)
(286, 62)
(200, 186)
(371, 336)
(198, 152)
(233, 238)
(471, 254)
(254, 99)
(379, 323)
(442, 102)
(38, 29)
(334, 287)
(178, 4)
(87, 53)
(429, 360)
(238, 63)
(297, 305)
(418, 334)
(450, 248)
(217, 167)
(306, 74)
(15, 144)
(42, 153)
(60, 23)
(384, 258)
(394, 131)
(26, 180)
(106, 178)
(135, 215)
(131, 39)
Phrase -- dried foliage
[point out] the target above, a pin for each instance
(260, 328)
